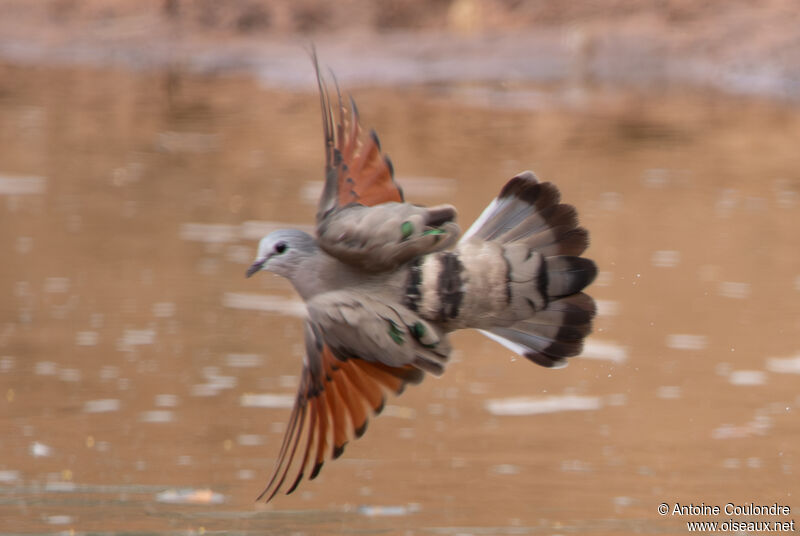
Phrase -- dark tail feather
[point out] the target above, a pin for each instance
(568, 274)
(530, 212)
(552, 335)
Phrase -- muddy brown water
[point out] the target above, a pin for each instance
(136, 359)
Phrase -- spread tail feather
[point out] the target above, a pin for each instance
(542, 243)
(552, 335)
(530, 212)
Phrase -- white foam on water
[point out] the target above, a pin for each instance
(166, 401)
(39, 450)
(164, 309)
(22, 185)
(45, 368)
(244, 360)
(59, 519)
(136, 337)
(245, 474)
(190, 496)
(7, 476)
(656, 177)
(102, 405)
(60, 486)
(56, 285)
(388, 511)
(266, 400)
(665, 258)
(505, 469)
(682, 341)
(157, 416)
(605, 350)
(540, 405)
(607, 307)
(747, 377)
(87, 338)
(734, 289)
(264, 302)
(7, 363)
(250, 440)
(669, 392)
(784, 365)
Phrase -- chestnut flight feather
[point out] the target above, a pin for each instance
(383, 288)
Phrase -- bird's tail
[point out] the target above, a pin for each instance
(541, 244)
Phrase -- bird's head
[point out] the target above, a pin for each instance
(284, 252)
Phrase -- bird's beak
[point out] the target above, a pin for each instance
(256, 266)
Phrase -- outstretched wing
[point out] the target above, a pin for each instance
(333, 404)
(362, 218)
(355, 169)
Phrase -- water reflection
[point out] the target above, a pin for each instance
(146, 383)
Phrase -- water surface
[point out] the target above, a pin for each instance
(145, 382)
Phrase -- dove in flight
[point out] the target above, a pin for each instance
(385, 281)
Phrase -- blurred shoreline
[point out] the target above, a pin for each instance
(744, 49)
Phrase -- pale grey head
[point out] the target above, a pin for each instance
(284, 252)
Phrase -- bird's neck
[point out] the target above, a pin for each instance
(322, 273)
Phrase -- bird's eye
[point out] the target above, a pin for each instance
(280, 247)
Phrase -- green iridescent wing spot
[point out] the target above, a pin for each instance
(418, 330)
(395, 333)
(433, 232)
(407, 228)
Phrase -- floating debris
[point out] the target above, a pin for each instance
(190, 496)
(535, 406)
(250, 400)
